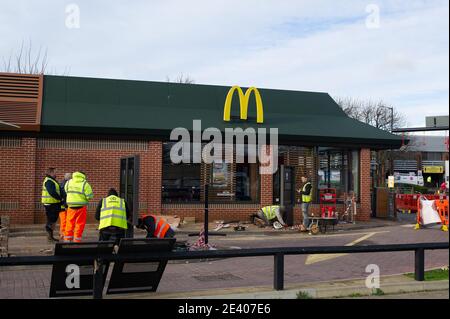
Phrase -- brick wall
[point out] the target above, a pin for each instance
(101, 166)
(365, 183)
(23, 162)
(234, 212)
(17, 171)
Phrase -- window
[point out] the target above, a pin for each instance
(229, 183)
(180, 182)
(338, 169)
(247, 182)
(237, 182)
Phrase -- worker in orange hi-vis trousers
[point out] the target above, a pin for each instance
(79, 192)
(63, 212)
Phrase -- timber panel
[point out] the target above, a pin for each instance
(21, 100)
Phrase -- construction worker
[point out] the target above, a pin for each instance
(114, 216)
(267, 215)
(51, 198)
(79, 192)
(306, 193)
(63, 211)
(156, 227)
(443, 189)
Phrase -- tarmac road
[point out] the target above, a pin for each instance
(258, 271)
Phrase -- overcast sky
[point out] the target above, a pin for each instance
(397, 51)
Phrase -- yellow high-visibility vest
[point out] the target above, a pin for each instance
(78, 191)
(270, 211)
(46, 198)
(113, 213)
(306, 198)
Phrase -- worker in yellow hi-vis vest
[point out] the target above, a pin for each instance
(79, 192)
(114, 216)
(51, 197)
(306, 193)
(268, 215)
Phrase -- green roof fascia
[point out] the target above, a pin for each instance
(89, 105)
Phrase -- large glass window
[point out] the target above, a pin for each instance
(229, 182)
(247, 182)
(180, 182)
(338, 169)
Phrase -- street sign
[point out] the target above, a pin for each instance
(128, 277)
(433, 169)
(391, 181)
(60, 285)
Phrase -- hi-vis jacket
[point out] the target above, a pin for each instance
(156, 227)
(46, 195)
(78, 190)
(113, 213)
(307, 195)
(271, 212)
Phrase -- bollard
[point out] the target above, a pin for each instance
(278, 278)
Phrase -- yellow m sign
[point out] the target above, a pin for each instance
(243, 102)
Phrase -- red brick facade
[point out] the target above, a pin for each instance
(23, 162)
(365, 182)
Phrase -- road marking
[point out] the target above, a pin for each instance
(408, 225)
(288, 236)
(312, 259)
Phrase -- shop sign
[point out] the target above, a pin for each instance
(433, 169)
(243, 103)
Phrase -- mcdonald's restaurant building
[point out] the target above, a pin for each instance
(118, 133)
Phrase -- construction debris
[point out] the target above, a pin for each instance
(200, 243)
(187, 220)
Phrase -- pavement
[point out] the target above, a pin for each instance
(256, 272)
(437, 294)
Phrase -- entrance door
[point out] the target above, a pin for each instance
(129, 187)
(284, 191)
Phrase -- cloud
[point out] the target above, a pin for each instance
(301, 45)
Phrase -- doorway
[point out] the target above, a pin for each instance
(284, 191)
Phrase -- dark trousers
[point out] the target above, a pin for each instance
(114, 234)
(52, 213)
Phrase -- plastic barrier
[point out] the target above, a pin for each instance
(442, 208)
(407, 203)
(432, 211)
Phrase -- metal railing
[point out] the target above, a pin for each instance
(278, 253)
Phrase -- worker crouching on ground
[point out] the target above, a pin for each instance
(79, 192)
(268, 215)
(114, 216)
(51, 198)
(156, 227)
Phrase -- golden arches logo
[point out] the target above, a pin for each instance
(243, 103)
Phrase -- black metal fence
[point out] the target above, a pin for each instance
(278, 253)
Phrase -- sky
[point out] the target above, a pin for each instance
(395, 51)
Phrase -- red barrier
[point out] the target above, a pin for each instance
(408, 202)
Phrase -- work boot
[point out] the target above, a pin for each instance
(50, 237)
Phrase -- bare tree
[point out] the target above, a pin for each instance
(28, 61)
(378, 114)
(185, 79)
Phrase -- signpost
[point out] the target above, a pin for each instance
(69, 280)
(140, 276)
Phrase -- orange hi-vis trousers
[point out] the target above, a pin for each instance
(62, 223)
(75, 222)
